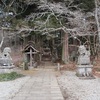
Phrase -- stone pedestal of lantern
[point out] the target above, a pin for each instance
(6, 65)
(84, 67)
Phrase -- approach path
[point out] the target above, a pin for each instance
(42, 85)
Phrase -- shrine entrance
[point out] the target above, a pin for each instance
(52, 49)
(46, 54)
(43, 49)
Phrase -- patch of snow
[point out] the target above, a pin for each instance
(78, 89)
(10, 88)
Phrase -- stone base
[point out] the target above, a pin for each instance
(6, 69)
(84, 70)
(85, 78)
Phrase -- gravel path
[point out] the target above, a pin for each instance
(74, 88)
(10, 88)
(41, 86)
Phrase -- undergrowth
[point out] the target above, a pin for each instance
(10, 76)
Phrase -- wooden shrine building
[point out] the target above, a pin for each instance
(31, 55)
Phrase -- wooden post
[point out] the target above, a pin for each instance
(31, 57)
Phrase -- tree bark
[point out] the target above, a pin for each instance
(65, 55)
(97, 19)
(2, 40)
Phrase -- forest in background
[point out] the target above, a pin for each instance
(22, 18)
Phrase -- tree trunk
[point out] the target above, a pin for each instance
(65, 55)
(1, 41)
(97, 19)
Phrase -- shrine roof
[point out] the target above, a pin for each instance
(29, 46)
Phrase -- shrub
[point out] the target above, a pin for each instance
(9, 76)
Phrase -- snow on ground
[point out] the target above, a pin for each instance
(10, 88)
(74, 88)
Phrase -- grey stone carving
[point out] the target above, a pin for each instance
(6, 64)
(84, 67)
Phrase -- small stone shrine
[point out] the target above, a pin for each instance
(84, 67)
(31, 56)
(6, 64)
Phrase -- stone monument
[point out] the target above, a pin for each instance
(84, 67)
(6, 64)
